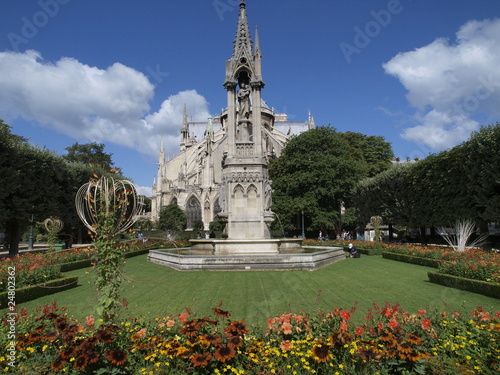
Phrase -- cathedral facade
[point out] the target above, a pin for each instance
(221, 169)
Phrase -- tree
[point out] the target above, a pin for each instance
(89, 153)
(172, 219)
(315, 174)
(373, 151)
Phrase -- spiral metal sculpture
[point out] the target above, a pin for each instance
(118, 198)
(53, 224)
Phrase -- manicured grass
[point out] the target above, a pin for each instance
(259, 295)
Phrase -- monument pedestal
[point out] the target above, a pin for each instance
(247, 246)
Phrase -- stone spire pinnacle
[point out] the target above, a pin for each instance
(184, 129)
(242, 43)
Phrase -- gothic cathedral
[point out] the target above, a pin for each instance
(224, 175)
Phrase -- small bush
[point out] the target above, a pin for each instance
(475, 286)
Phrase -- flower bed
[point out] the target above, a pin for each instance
(391, 341)
(29, 269)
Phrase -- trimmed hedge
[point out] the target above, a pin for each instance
(76, 265)
(470, 285)
(32, 292)
(427, 262)
(84, 263)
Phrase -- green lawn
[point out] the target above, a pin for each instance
(258, 295)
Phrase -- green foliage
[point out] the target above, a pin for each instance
(460, 183)
(316, 173)
(89, 153)
(462, 283)
(31, 292)
(108, 264)
(172, 219)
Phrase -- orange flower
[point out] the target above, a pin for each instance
(116, 357)
(321, 352)
(286, 345)
(201, 360)
(89, 321)
(224, 354)
(287, 328)
(421, 312)
(221, 313)
(393, 324)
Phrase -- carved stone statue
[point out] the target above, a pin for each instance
(244, 100)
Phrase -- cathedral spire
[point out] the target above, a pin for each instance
(242, 43)
(184, 130)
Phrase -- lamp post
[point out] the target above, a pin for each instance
(303, 232)
(30, 240)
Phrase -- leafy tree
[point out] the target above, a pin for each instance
(460, 183)
(172, 219)
(89, 153)
(373, 151)
(315, 174)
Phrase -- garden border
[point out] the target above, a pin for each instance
(427, 262)
(470, 285)
(31, 292)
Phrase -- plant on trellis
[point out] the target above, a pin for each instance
(376, 221)
(52, 225)
(108, 208)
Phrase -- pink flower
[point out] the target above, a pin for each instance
(141, 332)
(89, 321)
(183, 317)
(170, 323)
(287, 328)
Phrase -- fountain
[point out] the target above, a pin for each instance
(245, 190)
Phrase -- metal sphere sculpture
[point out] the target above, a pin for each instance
(112, 197)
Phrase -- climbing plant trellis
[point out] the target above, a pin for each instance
(108, 207)
(116, 197)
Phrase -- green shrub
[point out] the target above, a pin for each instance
(32, 292)
(427, 262)
(474, 286)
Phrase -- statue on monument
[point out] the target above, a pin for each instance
(244, 100)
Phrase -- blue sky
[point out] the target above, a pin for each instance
(421, 73)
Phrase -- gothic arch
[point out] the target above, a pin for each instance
(252, 197)
(193, 211)
(174, 200)
(239, 205)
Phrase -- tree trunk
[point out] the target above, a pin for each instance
(12, 231)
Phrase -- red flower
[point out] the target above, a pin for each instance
(344, 314)
(426, 324)
(393, 324)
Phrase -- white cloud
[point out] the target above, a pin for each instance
(451, 84)
(91, 104)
